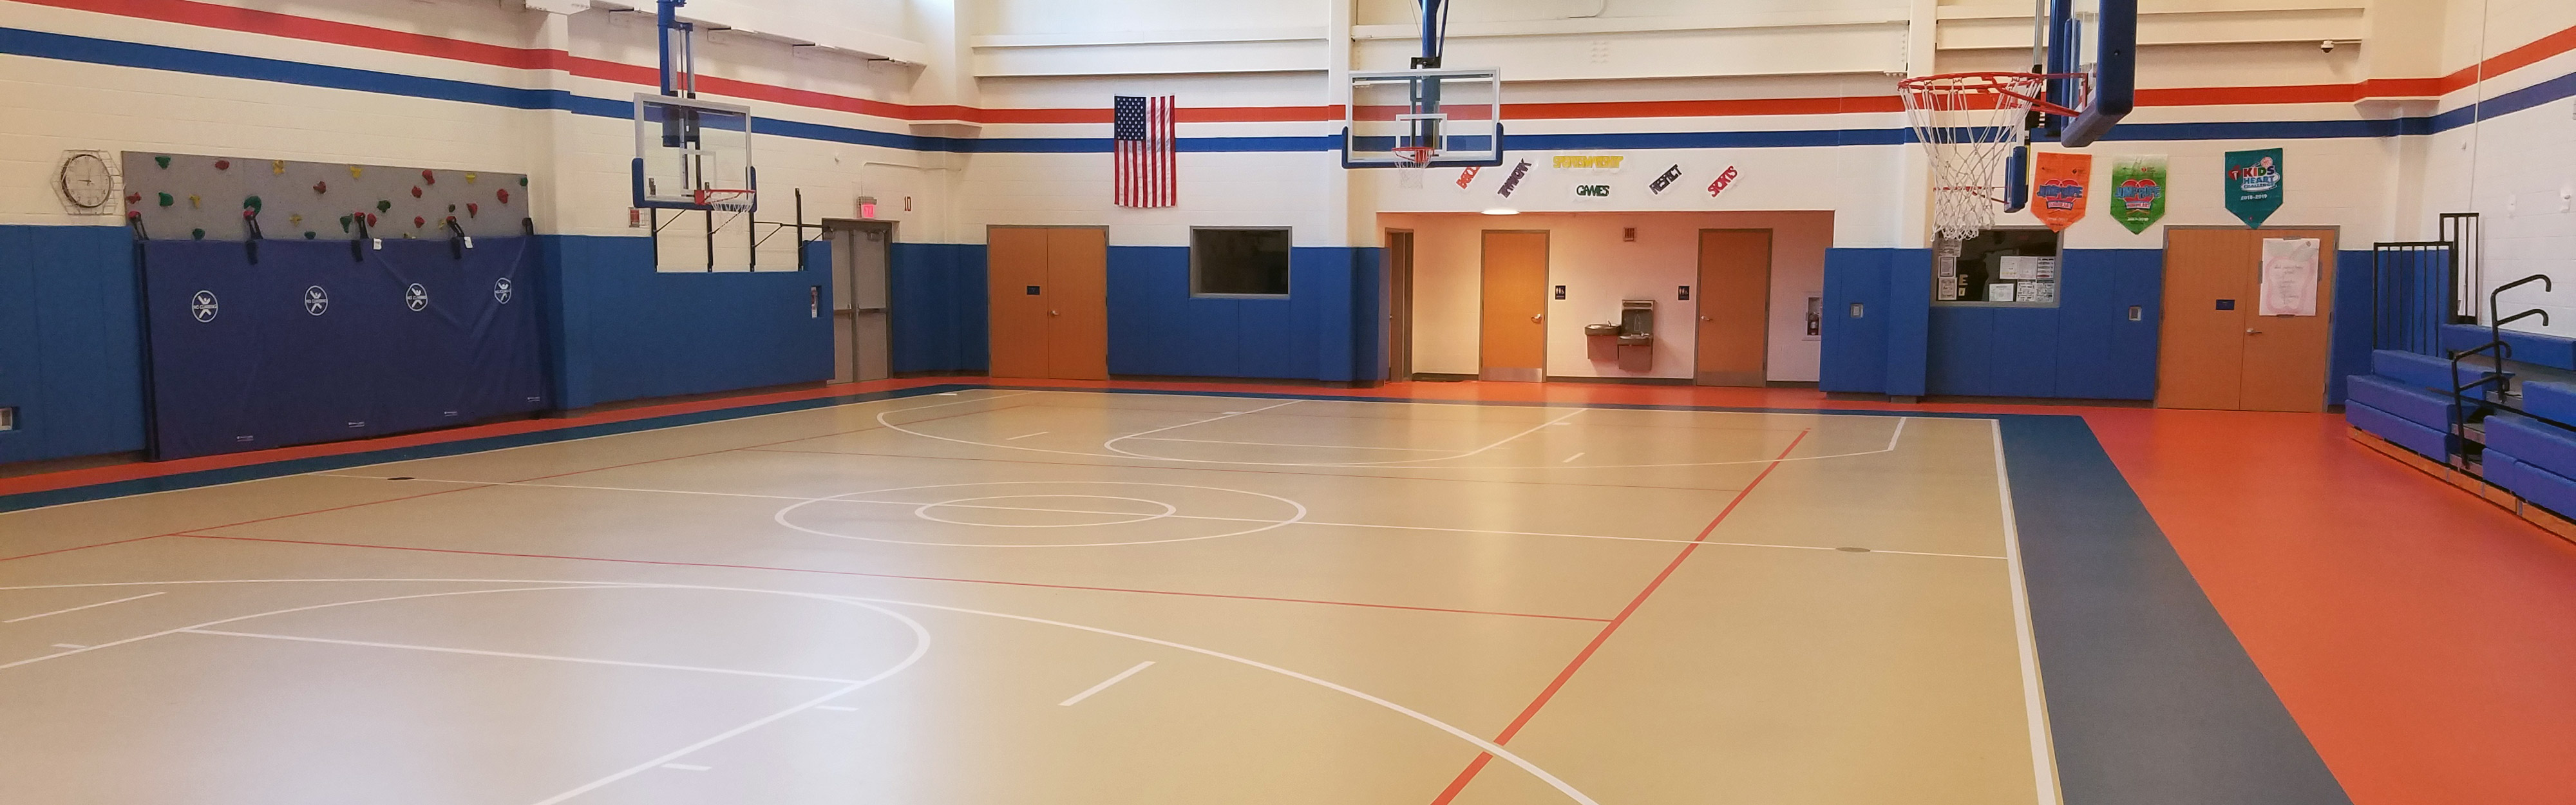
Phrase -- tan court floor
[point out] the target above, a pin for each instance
(998, 596)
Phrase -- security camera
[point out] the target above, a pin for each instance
(2325, 46)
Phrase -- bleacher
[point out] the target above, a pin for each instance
(2504, 436)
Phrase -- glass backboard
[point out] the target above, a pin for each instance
(1456, 114)
(692, 154)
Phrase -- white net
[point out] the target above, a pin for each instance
(1969, 122)
(1410, 165)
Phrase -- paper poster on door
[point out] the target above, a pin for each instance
(2289, 277)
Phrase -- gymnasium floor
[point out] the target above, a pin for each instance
(920, 593)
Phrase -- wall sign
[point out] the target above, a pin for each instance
(2253, 185)
(1467, 176)
(1597, 163)
(2064, 183)
(2138, 191)
(1665, 182)
(1723, 179)
(1513, 181)
(1591, 192)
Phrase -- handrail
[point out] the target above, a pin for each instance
(2495, 326)
(2459, 397)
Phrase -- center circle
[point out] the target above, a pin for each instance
(924, 511)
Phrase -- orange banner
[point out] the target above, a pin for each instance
(2062, 188)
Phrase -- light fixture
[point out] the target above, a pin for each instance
(1502, 211)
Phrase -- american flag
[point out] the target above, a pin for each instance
(1143, 134)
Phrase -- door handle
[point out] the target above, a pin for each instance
(2252, 331)
(1703, 318)
(1054, 313)
(1534, 317)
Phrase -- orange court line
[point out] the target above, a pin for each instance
(1469, 774)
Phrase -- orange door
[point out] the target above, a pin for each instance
(1077, 300)
(1734, 306)
(1514, 333)
(2286, 356)
(2215, 352)
(1016, 259)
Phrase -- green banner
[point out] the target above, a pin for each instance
(2138, 191)
(2254, 184)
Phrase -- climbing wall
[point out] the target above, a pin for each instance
(196, 197)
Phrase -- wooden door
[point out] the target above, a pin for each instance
(1734, 297)
(1513, 338)
(1077, 300)
(2215, 352)
(1016, 260)
(1399, 306)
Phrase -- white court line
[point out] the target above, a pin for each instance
(1417, 464)
(1505, 755)
(516, 655)
(524, 446)
(1570, 459)
(1226, 415)
(909, 503)
(836, 708)
(1105, 683)
(1283, 444)
(69, 645)
(685, 767)
(1024, 436)
(2043, 751)
(78, 608)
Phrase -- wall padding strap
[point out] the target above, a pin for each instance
(310, 346)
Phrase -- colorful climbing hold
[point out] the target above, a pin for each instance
(353, 171)
(371, 219)
(277, 167)
(197, 234)
(428, 177)
(469, 177)
(133, 198)
(384, 206)
(415, 191)
(161, 161)
(418, 222)
(252, 202)
(472, 208)
(294, 218)
(194, 201)
(345, 220)
(223, 164)
(308, 234)
(320, 188)
(504, 195)
(249, 213)
(166, 200)
(523, 181)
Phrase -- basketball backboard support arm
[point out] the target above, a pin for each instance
(1442, 117)
(2115, 80)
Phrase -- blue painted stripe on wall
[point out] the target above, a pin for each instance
(67, 47)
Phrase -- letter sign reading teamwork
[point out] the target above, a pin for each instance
(2064, 182)
(1513, 181)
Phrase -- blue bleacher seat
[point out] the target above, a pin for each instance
(2431, 442)
(2534, 348)
(2549, 490)
(2550, 400)
(2423, 371)
(2539, 444)
(2421, 406)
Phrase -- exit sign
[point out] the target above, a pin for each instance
(867, 207)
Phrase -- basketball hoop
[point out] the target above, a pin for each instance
(725, 199)
(1411, 162)
(1968, 122)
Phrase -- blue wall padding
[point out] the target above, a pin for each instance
(71, 349)
(2550, 401)
(268, 367)
(2550, 490)
(2534, 348)
(2420, 406)
(2534, 442)
(2432, 443)
(939, 308)
(2423, 371)
(1886, 349)
(2086, 347)
(1327, 329)
(624, 331)
(2349, 332)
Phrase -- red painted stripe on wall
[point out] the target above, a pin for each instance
(210, 15)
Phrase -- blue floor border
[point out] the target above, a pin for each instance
(2151, 700)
